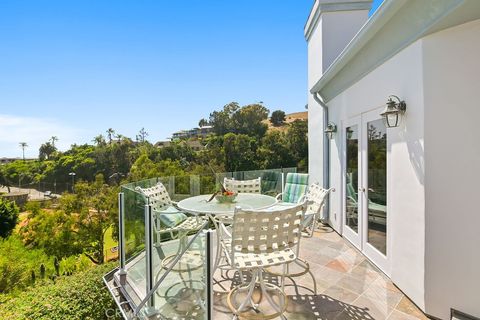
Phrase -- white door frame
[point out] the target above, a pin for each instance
(382, 261)
(360, 239)
(347, 232)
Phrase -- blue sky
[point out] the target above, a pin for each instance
(73, 69)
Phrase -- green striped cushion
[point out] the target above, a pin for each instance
(295, 187)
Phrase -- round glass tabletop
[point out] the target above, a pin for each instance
(199, 204)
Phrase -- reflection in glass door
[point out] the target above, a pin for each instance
(351, 195)
(365, 187)
(353, 198)
(377, 185)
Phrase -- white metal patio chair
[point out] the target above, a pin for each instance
(168, 219)
(239, 186)
(296, 185)
(243, 186)
(262, 239)
(316, 197)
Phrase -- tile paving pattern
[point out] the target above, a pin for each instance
(348, 286)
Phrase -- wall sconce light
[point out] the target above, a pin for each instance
(330, 130)
(392, 115)
(349, 133)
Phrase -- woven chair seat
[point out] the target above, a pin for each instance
(254, 260)
(190, 224)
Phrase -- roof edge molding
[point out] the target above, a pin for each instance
(395, 25)
(321, 6)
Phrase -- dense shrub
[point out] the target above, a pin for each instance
(8, 217)
(80, 296)
(18, 262)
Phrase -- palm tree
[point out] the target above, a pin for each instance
(54, 139)
(99, 140)
(23, 145)
(110, 135)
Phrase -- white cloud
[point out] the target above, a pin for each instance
(33, 131)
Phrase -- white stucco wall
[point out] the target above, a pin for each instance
(452, 162)
(333, 31)
(402, 76)
(342, 27)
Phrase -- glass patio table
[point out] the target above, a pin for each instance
(219, 212)
(199, 204)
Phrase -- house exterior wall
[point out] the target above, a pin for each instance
(334, 29)
(402, 76)
(452, 162)
(342, 27)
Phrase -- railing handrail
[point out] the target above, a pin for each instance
(173, 263)
(131, 185)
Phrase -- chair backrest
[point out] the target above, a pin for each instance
(316, 196)
(243, 186)
(295, 186)
(157, 196)
(259, 231)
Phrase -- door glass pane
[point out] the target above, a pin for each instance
(377, 185)
(351, 190)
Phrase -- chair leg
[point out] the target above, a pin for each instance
(279, 309)
(251, 288)
(257, 277)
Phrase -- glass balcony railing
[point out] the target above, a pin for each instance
(160, 269)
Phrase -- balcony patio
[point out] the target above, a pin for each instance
(172, 279)
(348, 286)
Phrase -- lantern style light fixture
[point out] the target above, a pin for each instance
(349, 133)
(330, 130)
(392, 115)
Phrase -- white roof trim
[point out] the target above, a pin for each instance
(384, 12)
(332, 6)
(378, 41)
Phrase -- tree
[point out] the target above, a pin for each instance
(222, 120)
(99, 140)
(277, 118)
(245, 120)
(8, 217)
(23, 145)
(54, 139)
(297, 138)
(143, 168)
(240, 152)
(98, 213)
(249, 120)
(203, 123)
(274, 151)
(142, 134)
(52, 231)
(110, 135)
(46, 150)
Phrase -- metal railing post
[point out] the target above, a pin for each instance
(171, 186)
(149, 253)
(121, 237)
(194, 185)
(209, 277)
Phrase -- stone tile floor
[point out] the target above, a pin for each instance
(348, 286)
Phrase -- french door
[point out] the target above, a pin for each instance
(365, 218)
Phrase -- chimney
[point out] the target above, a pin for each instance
(329, 28)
